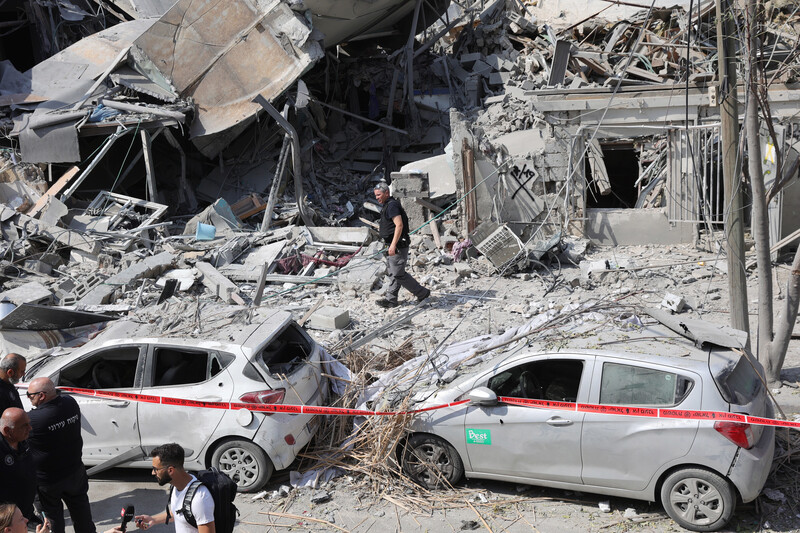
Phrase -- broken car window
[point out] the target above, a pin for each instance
(112, 368)
(634, 385)
(552, 379)
(286, 352)
(174, 366)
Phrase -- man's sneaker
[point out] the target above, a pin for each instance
(387, 303)
(424, 295)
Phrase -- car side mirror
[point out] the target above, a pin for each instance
(482, 396)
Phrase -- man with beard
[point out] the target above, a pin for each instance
(12, 368)
(168, 468)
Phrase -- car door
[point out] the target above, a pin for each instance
(109, 426)
(187, 373)
(525, 442)
(626, 451)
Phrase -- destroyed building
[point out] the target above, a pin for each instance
(152, 135)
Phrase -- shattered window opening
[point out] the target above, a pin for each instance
(612, 175)
(286, 353)
(113, 368)
(184, 367)
(553, 379)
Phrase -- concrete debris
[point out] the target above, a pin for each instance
(673, 302)
(329, 318)
(630, 513)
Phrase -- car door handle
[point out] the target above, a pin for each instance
(558, 421)
(119, 403)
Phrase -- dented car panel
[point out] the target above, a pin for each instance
(639, 457)
(281, 364)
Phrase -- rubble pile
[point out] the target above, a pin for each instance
(155, 180)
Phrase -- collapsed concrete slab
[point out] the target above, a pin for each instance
(146, 268)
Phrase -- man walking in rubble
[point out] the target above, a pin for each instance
(56, 445)
(12, 368)
(393, 230)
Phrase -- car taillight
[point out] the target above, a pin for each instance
(738, 433)
(263, 396)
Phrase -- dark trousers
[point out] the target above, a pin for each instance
(398, 277)
(73, 490)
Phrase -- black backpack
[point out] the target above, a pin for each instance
(223, 492)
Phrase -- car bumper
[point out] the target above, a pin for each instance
(751, 467)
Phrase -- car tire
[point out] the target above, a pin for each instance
(698, 500)
(431, 462)
(244, 462)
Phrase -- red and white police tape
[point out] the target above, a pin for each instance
(650, 412)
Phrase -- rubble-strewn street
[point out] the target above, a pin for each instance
(185, 169)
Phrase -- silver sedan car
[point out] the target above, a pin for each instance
(270, 362)
(697, 469)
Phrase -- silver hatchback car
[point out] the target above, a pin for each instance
(697, 469)
(272, 361)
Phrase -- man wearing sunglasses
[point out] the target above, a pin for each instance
(56, 445)
(12, 368)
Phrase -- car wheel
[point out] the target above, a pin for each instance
(698, 500)
(244, 462)
(432, 462)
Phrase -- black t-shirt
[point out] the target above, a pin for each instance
(55, 440)
(9, 396)
(17, 477)
(391, 209)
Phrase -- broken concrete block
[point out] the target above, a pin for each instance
(482, 68)
(592, 267)
(38, 266)
(185, 276)
(148, 267)
(673, 302)
(499, 78)
(329, 318)
(498, 99)
(495, 61)
(30, 293)
(469, 59)
(320, 496)
(218, 284)
(363, 271)
(463, 270)
(79, 256)
(574, 250)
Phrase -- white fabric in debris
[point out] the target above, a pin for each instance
(313, 478)
(335, 368)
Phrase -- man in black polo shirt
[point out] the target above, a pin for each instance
(56, 445)
(17, 473)
(12, 368)
(393, 230)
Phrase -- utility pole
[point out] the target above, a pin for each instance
(729, 114)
